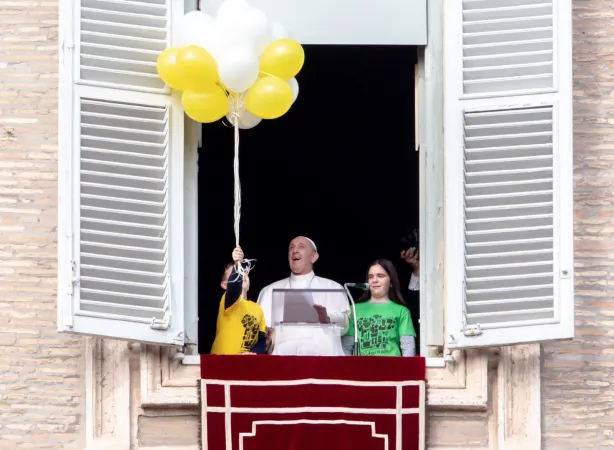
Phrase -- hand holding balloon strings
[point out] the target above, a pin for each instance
(244, 266)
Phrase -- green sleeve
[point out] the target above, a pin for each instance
(350, 331)
(406, 326)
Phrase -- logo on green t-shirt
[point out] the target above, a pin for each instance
(375, 333)
(380, 327)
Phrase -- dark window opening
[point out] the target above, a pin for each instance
(339, 167)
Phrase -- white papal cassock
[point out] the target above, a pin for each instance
(308, 340)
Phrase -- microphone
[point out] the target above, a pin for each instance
(363, 286)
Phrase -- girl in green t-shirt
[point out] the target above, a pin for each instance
(385, 327)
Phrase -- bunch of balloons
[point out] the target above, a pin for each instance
(237, 65)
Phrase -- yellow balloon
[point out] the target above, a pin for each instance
(168, 70)
(197, 67)
(283, 58)
(207, 106)
(269, 98)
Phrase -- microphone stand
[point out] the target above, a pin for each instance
(355, 352)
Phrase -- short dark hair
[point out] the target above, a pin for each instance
(226, 267)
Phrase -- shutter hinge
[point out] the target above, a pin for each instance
(68, 321)
(472, 330)
(179, 340)
(161, 324)
(468, 330)
(68, 45)
(73, 278)
(71, 282)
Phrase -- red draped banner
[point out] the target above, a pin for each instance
(312, 403)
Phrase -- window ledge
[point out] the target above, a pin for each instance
(194, 360)
(435, 362)
(191, 360)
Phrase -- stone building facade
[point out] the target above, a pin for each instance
(67, 391)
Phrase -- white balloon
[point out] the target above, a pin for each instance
(258, 29)
(193, 25)
(209, 39)
(238, 68)
(220, 49)
(246, 120)
(246, 27)
(278, 31)
(231, 8)
(294, 86)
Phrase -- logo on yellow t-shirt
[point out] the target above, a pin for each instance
(250, 333)
(238, 327)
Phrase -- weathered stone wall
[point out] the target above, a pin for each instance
(578, 375)
(41, 372)
(41, 390)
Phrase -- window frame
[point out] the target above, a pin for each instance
(428, 78)
(430, 114)
(430, 143)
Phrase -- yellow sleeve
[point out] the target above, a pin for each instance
(220, 313)
(221, 308)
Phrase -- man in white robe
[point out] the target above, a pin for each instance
(302, 255)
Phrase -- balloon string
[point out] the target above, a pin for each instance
(235, 105)
(235, 123)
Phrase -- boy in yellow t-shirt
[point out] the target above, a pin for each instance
(240, 322)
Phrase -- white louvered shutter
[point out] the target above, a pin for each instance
(121, 174)
(119, 42)
(508, 156)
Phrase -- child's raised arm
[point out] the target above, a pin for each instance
(234, 285)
